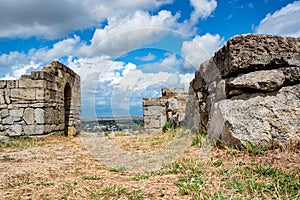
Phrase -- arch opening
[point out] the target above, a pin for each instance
(67, 104)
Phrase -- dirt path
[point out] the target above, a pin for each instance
(138, 161)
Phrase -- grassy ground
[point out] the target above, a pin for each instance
(62, 168)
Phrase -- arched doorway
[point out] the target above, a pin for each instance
(67, 98)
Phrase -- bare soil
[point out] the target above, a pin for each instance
(64, 168)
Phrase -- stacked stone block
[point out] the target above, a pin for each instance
(34, 105)
(170, 107)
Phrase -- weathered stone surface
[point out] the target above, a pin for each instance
(29, 116)
(261, 119)
(16, 114)
(2, 84)
(15, 130)
(39, 116)
(254, 94)
(2, 96)
(170, 107)
(154, 110)
(8, 121)
(248, 53)
(4, 113)
(29, 83)
(265, 80)
(29, 130)
(28, 107)
(24, 94)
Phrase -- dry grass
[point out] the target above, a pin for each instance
(62, 168)
(144, 142)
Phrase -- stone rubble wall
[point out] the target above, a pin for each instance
(169, 107)
(248, 92)
(34, 105)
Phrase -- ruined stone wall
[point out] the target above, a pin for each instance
(45, 102)
(248, 92)
(170, 107)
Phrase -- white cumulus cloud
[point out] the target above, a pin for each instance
(57, 18)
(283, 22)
(200, 48)
(203, 9)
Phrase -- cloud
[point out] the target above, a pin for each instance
(283, 22)
(200, 49)
(57, 18)
(202, 9)
(130, 32)
(148, 57)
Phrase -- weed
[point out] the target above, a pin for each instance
(137, 195)
(45, 184)
(113, 190)
(91, 177)
(183, 166)
(69, 186)
(141, 177)
(217, 163)
(255, 150)
(189, 184)
(118, 169)
(197, 140)
(166, 126)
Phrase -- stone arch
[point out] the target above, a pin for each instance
(67, 107)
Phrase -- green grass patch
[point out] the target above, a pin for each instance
(91, 177)
(141, 177)
(189, 185)
(118, 169)
(113, 190)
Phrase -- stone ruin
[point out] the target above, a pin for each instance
(248, 92)
(43, 103)
(169, 107)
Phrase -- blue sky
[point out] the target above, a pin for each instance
(125, 50)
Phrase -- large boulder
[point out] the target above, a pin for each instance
(248, 92)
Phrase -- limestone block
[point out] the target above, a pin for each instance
(29, 130)
(39, 130)
(265, 80)
(43, 76)
(260, 120)
(29, 116)
(11, 84)
(2, 84)
(39, 116)
(154, 110)
(154, 124)
(15, 130)
(173, 104)
(38, 105)
(248, 53)
(152, 102)
(29, 83)
(4, 113)
(24, 94)
(40, 94)
(2, 96)
(7, 96)
(49, 116)
(16, 114)
(292, 74)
